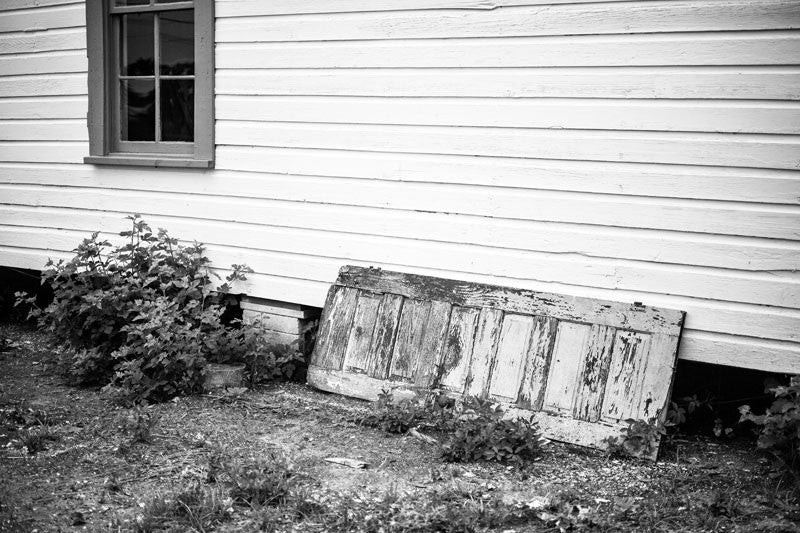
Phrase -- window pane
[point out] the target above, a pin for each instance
(133, 2)
(177, 42)
(177, 110)
(138, 110)
(136, 53)
(168, 1)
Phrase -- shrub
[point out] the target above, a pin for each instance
(475, 429)
(482, 432)
(394, 417)
(143, 317)
(639, 439)
(779, 427)
(266, 480)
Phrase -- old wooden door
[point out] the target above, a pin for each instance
(581, 365)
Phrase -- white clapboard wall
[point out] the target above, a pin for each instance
(622, 150)
(581, 366)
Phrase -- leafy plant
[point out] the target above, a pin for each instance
(265, 480)
(23, 415)
(482, 432)
(35, 440)
(195, 508)
(639, 439)
(475, 429)
(394, 417)
(143, 317)
(141, 423)
(779, 427)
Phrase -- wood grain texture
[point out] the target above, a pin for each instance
(521, 21)
(513, 300)
(755, 82)
(594, 373)
(432, 343)
(563, 268)
(390, 229)
(711, 149)
(10, 5)
(334, 328)
(487, 337)
(42, 130)
(385, 331)
(409, 341)
(44, 62)
(46, 41)
(491, 212)
(513, 350)
(583, 372)
(43, 18)
(43, 85)
(43, 108)
(735, 48)
(358, 353)
(572, 342)
(537, 364)
(247, 8)
(457, 355)
(626, 376)
(605, 114)
(666, 181)
(718, 241)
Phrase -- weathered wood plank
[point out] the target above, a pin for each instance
(483, 352)
(410, 334)
(571, 308)
(357, 355)
(594, 374)
(656, 383)
(704, 83)
(247, 8)
(334, 328)
(431, 344)
(725, 49)
(625, 376)
(383, 340)
(537, 367)
(357, 385)
(457, 354)
(561, 113)
(572, 341)
(676, 148)
(593, 19)
(513, 347)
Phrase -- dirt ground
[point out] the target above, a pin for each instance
(91, 475)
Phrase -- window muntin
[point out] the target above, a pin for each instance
(153, 92)
(150, 72)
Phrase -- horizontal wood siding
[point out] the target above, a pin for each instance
(626, 150)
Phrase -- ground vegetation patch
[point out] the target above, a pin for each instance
(73, 459)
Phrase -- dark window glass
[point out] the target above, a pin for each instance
(177, 42)
(167, 1)
(133, 2)
(136, 45)
(177, 110)
(137, 110)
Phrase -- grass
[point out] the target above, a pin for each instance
(258, 463)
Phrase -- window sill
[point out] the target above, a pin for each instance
(148, 161)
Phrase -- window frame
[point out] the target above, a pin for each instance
(103, 117)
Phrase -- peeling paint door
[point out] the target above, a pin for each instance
(581, 365)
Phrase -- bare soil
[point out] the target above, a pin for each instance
(93, 476)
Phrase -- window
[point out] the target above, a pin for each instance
(151, 82)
